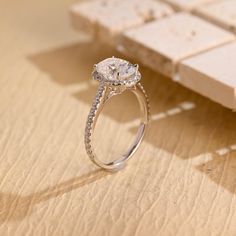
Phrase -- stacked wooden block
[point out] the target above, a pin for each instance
(191, 41)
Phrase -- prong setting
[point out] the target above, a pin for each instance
(136, 66)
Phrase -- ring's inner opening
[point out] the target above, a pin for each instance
(114, 131)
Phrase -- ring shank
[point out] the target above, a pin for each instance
(144, 108)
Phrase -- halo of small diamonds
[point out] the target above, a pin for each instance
(116, 72)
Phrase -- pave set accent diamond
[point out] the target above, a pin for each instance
(147, 101)
(90, 120)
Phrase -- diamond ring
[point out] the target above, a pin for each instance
(115, 76)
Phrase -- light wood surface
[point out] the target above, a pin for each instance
(188, 5)
(180, 182)
(162, 44)
(106, 20)
(221, 13)
(205, 74)
(162, 38)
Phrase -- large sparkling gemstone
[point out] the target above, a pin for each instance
(115, 69)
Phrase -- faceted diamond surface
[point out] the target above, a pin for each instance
(117, 70)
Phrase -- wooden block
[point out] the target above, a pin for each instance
(106, 19)
(212, 74)
(163, 44)
(222, 13)
(186, 5)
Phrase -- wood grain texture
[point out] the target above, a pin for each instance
(212, 74)
(106, 19)
(162, 44)
(162, 39)
(188, 5)
(221, 13)
(180, 182)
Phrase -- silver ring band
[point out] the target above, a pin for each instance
(104, 93)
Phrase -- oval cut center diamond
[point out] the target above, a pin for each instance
(116, 69)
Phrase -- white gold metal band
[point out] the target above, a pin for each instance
(104, 93)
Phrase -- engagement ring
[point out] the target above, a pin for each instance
(115, 76)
